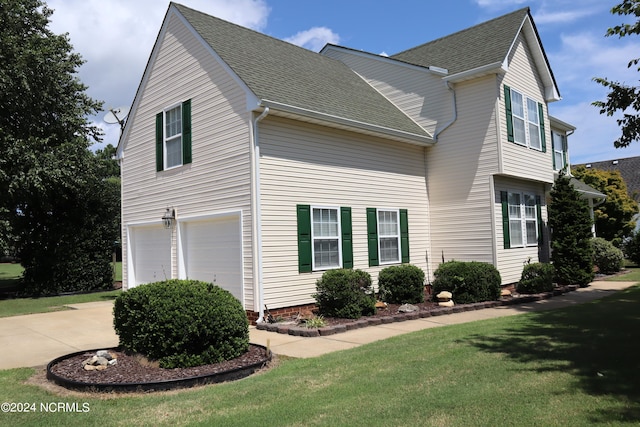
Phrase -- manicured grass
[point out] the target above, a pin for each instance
(18, 306)
(571, 367)
(9, 274)
(633, 275)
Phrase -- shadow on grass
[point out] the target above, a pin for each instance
(598, 342)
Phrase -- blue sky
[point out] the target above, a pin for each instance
(115, 39)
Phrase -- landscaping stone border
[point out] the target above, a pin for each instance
(218, 377)
(303, 331)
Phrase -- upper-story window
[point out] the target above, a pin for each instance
(525, 120)
(559, 143)
(173, 136)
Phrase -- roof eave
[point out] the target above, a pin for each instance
(495, 68)
(317, 117)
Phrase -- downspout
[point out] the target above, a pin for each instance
(455, 112)
(256, 214)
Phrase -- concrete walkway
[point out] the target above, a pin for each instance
(36, 339)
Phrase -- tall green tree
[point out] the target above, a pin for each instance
(623, 98)
(570, 223)
(53, 196)
(614, 217)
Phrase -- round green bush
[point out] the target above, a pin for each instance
(468, 281)
(401, 284)
(181, 323)
(536, 278)
(606, 256)
(345, 293)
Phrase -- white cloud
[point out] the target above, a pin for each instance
(115, 39)
(315, 38)
(561, 17)
(499, 4)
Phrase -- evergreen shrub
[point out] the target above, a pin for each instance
(345, 293)
(536, 278)
(606, 256)
(632, 248)
(401, 284)
(181, 323)
(469, 282)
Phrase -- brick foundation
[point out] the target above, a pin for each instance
(281, 312)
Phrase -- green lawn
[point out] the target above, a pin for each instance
(571, 367)
(633, 275)
(9, 274)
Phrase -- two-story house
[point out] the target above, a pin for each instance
(259, 165)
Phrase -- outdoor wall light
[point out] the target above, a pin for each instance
(168, 218)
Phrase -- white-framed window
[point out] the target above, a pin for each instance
(173, 137)
(559, 151)
(325, 237)
(388, 236)
(524, 120)
(523, 220)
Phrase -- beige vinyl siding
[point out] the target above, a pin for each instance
(419, 93)
(460, 167)
(518, 160)
(511, 261)
(218, 179)
(310, 164)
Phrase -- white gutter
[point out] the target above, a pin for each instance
(421, 140)
(256, 215)
(455, 112)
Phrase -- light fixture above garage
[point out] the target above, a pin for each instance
(168, 218)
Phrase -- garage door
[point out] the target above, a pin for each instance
(212, 252)
(150, 254)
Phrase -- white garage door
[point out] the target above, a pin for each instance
(150, 254)
(212, 252)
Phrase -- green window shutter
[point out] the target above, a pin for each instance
(186, 132)
(404, 235)
(372, 237)
(507, 106)
(543, 137)
(159, 142)
(504, 199)
(553, 151)
(539, 215)
(304, 238)
(347, 238)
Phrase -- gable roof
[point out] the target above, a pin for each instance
(483, 47)
(295, 80)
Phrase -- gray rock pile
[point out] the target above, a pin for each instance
(100, 361)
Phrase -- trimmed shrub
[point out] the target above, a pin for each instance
(632, 248)
(469, 282)
(536, 278)
(401, 284)
(181, 323)
(606, 256)
(345, 293)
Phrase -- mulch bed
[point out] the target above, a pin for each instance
(135, 369)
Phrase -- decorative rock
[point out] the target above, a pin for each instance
(101, 367)
(449, 303)
(89, 367)
(505, 293)
(444, 295)
(101, 361)
(305, 315)
(407, 308)
(113, 362)
(105, 354)
(380, 304)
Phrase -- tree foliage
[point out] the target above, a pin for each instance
(622, 97)
(570, 224)
(613, 218)
(56, 203)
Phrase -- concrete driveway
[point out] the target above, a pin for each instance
(36, 339)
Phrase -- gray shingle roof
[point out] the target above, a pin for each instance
(281, 72)
(483, 44)
(629, 168)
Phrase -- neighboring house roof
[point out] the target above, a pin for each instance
(483, 47)
(586, 190)
(629, 168)
(290, 78)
